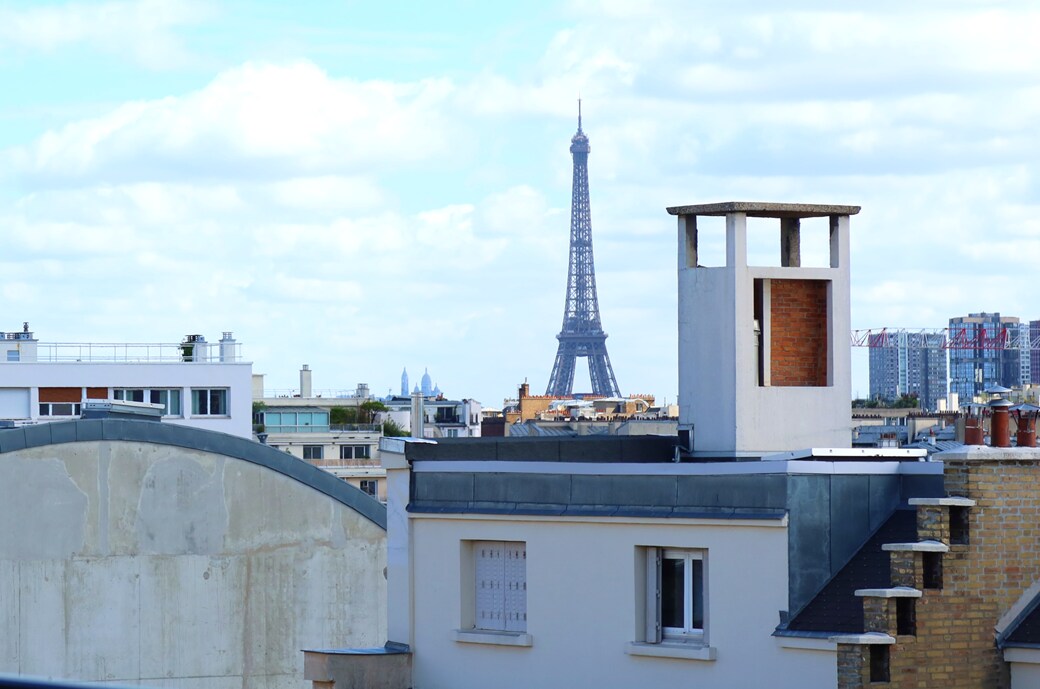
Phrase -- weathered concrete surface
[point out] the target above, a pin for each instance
(359, 669)
(156, 565)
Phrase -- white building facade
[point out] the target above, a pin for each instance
(199, 384)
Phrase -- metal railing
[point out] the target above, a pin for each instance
(138, 352)
(324, 394)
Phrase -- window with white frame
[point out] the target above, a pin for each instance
(13, 355)
(313, 452)
(209, 402)
(500, 583)
(168, 397)
(354, 452)
(675, 601)
(370, 486)
(59, 409)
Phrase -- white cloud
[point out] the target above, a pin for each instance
(255, 121)
(140, 28)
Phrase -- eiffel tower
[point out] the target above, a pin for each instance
(582, 333)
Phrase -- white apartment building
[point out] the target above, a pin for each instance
(299, 422)
(200, 384)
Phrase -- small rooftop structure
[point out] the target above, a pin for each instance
(765, 363)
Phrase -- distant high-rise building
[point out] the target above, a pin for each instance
(903, 363)
(1034, 352)
(978, 357)
(404, 382)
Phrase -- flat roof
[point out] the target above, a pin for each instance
(759, 209)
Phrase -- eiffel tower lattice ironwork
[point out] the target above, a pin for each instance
(582, 334)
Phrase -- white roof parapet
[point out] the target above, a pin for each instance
(919, 547)
(893, 592)
(868, 639)
(862, 453)
(952, 501)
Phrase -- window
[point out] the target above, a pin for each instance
(958, 525)
(451, 433)
(370, 486)
(209, 402)
(59, 409)
(906, 616)
(13, 355)
(313, 452)
(932, 570)
(354, 452)
(879, 665)
(500, 583)
(674, 595)
(168, 397)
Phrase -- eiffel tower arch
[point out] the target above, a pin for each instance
(582, 333)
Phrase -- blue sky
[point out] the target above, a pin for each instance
(363, 186)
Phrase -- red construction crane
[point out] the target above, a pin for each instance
(958, 337)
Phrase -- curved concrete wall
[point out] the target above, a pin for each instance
(160, 564)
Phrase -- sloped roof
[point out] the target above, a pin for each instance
(836, 608)
(1024, 631)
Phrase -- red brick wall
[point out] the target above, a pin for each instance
(798, 339)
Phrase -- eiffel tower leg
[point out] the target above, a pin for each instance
(601, 373)
(561, 382)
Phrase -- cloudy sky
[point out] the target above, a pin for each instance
(363, 186)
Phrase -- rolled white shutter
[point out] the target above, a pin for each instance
(14, 403)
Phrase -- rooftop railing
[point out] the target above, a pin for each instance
(138, 352)
(326, 394)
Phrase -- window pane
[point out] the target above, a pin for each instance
(174, 407)
(135, 395)
(216, 402)
(199, 402)
(673, 600)
(117, 394)
(697, 567)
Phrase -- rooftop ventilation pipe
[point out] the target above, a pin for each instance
(1025, 421)
(305, 381)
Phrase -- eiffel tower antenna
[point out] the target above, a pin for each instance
(582, 334)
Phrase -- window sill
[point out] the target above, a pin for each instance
(209, 416)
(671, 650)
(486, 636)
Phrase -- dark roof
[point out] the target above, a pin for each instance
(84, 430)
(1024, 631)
(837, 608)
(644, 449)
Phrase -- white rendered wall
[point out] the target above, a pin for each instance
(719, 396)
(158, 566)
(237, 377)
(583, 607)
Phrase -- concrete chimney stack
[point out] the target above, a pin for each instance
(418, 421)
(305, 381)
(227, 347)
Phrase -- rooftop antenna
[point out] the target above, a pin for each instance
(579, 112)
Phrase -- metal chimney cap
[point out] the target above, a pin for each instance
(1003, 403)
(997, 390)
